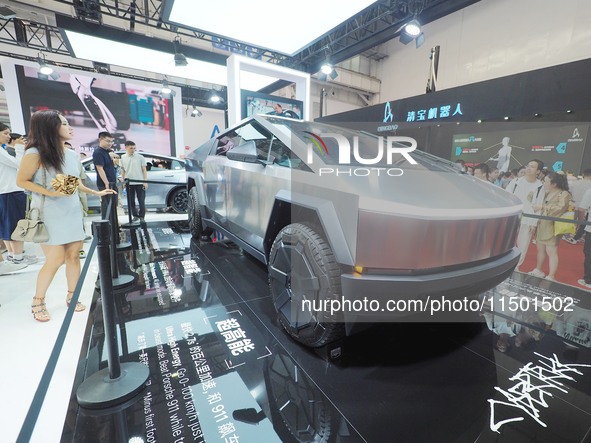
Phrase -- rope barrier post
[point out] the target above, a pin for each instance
(115, 220)
(130, 223)
(117, 382)
(119, 280)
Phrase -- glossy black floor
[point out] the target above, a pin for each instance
(221, 370)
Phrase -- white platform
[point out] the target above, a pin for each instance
(27, 344)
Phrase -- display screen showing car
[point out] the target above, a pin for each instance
(167, 187)
(339, 216)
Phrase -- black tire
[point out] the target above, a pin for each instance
(194, 213)
(299, 256)
(195, 222)
(179, 201)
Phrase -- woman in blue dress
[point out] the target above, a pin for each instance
(45, 157)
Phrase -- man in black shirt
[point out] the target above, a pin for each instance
(105, 169)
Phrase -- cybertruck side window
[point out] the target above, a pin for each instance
(261, 137)
(283, 156)
(226, 142)
(242, 134)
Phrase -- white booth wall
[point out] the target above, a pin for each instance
(197, 130)
(489, 39)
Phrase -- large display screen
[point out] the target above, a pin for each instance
(93, 104)
(259, 103)
(559, 147)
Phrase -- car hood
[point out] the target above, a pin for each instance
(430, 194)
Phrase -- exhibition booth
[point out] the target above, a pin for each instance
(195, 328)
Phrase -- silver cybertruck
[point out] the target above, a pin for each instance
(338, 217)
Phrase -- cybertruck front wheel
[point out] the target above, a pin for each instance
(303, 275)
(194, 213)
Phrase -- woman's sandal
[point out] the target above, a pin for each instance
(79, 306)
(42, 314)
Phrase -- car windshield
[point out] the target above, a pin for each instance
(315, 136)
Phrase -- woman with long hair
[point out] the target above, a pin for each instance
(45, 157)
(556, 202)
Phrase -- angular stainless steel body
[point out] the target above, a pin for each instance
(431, 219)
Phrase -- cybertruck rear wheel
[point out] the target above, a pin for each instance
(195, 222)
(303, 273)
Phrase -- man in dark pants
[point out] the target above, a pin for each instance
(105, 169)
(133, 167)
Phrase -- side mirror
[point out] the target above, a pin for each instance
(246, 152)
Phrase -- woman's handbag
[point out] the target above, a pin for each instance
(31, 228)
(561, 228)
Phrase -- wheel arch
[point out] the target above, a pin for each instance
(190, 182)
(196, 180)
(291, 207)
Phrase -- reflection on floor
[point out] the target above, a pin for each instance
(221, 369)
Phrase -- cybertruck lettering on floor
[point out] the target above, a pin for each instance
(349, 224)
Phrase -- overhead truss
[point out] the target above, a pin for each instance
(376, 24)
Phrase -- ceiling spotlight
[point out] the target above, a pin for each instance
(326, 69)
(479, 120)
(6, 13)
(179, 57)
(413, 28)
(165, 88)
(506, 117)
(215, 98)
(537, 115)
(569, 111)
(405, 39)
(196, 112)
(180, 60)
(166, 91)
(45, 70)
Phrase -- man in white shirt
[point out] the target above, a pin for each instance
(531, 192)
(133, 167)
(585, 207)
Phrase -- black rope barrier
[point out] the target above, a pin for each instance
(117, 382)
(152, 181)
(565, 220)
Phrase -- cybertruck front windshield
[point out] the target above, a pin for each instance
(315, 137)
